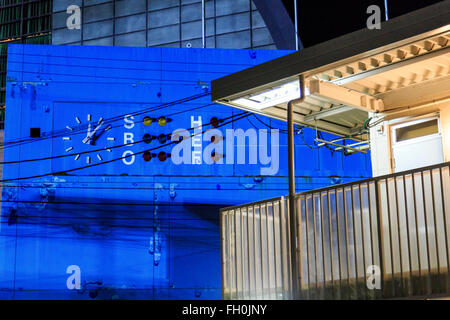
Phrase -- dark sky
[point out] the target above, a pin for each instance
(324, 20)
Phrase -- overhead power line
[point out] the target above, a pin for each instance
(81, 128)
(239, 116)
(97, 150)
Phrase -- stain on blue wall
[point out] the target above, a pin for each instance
(140, 227)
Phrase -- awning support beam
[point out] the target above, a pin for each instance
(326, 113)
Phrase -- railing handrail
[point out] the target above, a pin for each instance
(343, 185)
(374, 179)
(251, 204)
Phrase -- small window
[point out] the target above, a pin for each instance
(35, 132)
(418, 130)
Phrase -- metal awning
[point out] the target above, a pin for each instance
(403, 68)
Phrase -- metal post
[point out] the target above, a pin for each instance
(296, 25)
(386, 10)
(292, 211)
(204, 23)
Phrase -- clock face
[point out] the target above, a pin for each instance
(93, 138)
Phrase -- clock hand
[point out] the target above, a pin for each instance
(95, 137)
(89, 136)
(86, 140)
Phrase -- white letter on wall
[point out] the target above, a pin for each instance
(74, 281)
(74, 21)
(374, 21)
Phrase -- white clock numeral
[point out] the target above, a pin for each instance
(70, 128)
(109, 150)
(88, 160)
(89, 117)
(77, 157)
(69, 149)
(111, 139)
(78, 120)
(66, 138)
(99, 157)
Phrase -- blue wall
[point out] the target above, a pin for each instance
(149, 230)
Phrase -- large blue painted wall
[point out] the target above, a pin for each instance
(149, 230)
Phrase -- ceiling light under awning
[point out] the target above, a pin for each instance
(275, 96)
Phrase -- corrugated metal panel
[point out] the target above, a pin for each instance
(386, 237)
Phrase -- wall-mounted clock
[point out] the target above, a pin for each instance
(94, 138)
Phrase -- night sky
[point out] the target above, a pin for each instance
(320, 21)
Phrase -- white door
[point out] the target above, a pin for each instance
(416, 144)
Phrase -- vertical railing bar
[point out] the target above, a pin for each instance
(254, 251)
(280, 211)
(235, 251)
(346, 237)
(222, 248)
(274, 249)
(238, 245)
(307, 242)
(417, 226)
(362, 234)
(231, 268)
(338, 239)
(398, 230)
(380, 232)
(268, 249)
(390, 235)
(261, 247)
(231, 265)
(288, 252)
(226, 245)
(445, 227)
(331, 241)
(372, 254)
(410, 291)
(299, 248)
(323, 243)
(315, 241)
(248, 254)
(288, 247)
(426, 232)
(242, 252)
(435, 225)
(354, 240)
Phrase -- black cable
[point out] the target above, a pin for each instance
(281, 130)
(240, 116)
(300, 131)
(117, 118)
(88, 76)
(109, 67)
(126, 60)
(15, 142)
(91, 151)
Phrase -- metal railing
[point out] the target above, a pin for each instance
(384, 237)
